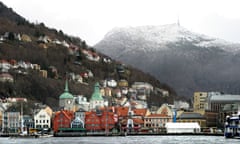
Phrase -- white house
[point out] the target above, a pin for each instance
(42, 119)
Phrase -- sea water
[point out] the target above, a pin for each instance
(123, 140)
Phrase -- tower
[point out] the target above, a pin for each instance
(66, 99)
(96, 99)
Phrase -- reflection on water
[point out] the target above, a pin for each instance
(123, 140)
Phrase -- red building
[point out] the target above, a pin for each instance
(100, 120)
(62, 119)
(131, 119)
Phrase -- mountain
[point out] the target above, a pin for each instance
(174, 55)
(57, 55)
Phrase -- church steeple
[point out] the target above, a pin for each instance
(66, 86)
(66, 94)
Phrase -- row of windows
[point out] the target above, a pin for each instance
(156, 120)
(154, 125)
(42, 121)
(44, 126)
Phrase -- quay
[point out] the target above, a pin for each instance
(133, 134)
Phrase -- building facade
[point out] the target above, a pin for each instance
(200, 101)
(42, 120)
(62, 119)
(11, 122)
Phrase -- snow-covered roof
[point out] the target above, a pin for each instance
(182, 125)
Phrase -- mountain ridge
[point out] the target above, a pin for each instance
(174, 54)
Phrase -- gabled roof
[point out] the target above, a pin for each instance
(140, 112)
(122, 111)
(68, 114)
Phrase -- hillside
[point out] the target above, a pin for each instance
(36, 50)
(174, 55)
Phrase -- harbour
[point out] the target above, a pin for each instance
(167, 139)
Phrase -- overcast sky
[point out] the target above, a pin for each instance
(92, 19)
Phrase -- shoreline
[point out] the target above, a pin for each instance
(111, 135)
(134, 134)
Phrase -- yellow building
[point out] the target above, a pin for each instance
(200, 101)
(158, 120)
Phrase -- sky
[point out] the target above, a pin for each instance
(92, 19)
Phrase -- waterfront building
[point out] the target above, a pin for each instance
(158, 120)
(28, 122)
(11, 122)
(100, 120)
(191, 117)
(80, 114)
(62, 119)
(66, 99)
(42, 119)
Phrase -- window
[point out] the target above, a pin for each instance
(43, 121)
(36, 121)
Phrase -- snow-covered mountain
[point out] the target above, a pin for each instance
(188, 61)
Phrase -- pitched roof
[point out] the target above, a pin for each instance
(140, 112)
(122, 111)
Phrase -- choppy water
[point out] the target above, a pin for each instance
(124, 140)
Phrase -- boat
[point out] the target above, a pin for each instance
(232, 126)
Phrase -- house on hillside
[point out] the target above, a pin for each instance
(6, 77)
(1, 39)
(26, 38)
(44, 39)
(12, 36)
(4, 65)
(65, 44)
